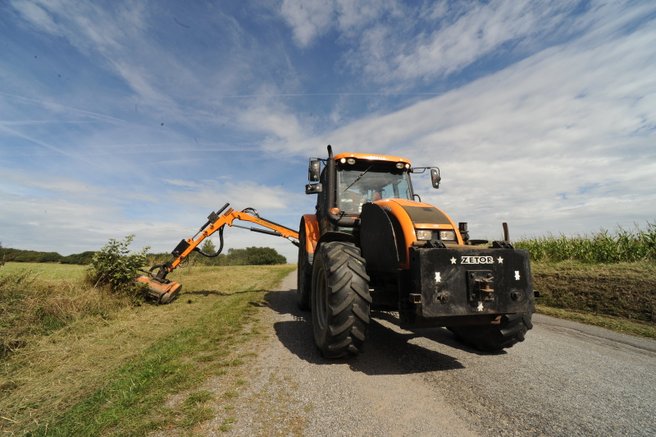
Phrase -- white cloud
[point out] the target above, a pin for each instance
(244, 194)
(183, 183)
(472, 35)
(556, 142)
(308, 19)
(283, 129)
(353, 15)
(112, 37)
(58, 184)
(392, 42)
(69, 224)
(62, 214)
(121, 40)
(36, 15)
(85, 25)
(562, 139)
(44, 144)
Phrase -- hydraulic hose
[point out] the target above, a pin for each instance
(218, 252)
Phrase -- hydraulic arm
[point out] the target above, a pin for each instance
(165, 290)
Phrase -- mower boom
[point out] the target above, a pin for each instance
(164, 290)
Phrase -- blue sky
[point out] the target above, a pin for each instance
(140, 117)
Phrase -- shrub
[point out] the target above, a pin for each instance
(115, 267)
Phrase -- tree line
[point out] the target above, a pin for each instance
(247, 256)
(8, 254)
(233, 257)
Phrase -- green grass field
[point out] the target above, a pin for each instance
(79, 361)
(47, 271)
(122, 369)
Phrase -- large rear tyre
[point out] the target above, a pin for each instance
(303, 272)
(340, 299)
(510, 330)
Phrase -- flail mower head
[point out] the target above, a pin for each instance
(160, 289)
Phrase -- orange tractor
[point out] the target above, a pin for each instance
(373, 245)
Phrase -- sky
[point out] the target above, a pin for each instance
(141, 117)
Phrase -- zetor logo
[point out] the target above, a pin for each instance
(476, 260)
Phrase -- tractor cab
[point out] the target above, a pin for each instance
(362, 178)
(348, 181)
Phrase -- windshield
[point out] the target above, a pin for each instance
(367, 184)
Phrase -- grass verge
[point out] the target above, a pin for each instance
(621, 296)
(37, 299)
(117, 377)
(625, 290)
(613, 323)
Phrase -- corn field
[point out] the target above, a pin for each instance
(602, 247)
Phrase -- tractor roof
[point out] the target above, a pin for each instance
(371, 157)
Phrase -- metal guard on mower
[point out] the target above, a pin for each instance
(451, 285)
(161, 291)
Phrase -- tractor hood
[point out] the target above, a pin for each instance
(393, 223)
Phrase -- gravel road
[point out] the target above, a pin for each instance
(566, 379)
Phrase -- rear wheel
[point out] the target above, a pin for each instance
(340, 299)
(303, 272)
(510, 330)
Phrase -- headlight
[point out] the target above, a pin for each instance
(424, 234)
(448, 235)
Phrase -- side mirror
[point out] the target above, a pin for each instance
(313, 188)
(314, 170)
(435, 177)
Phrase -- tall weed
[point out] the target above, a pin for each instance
(31, 306)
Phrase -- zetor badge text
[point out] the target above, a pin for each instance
(473, 259)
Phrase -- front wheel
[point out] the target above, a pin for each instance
(508, 331)
(340, 299)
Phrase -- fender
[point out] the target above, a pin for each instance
(336, 236)
(311, 233)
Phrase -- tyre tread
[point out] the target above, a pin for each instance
(347, 289)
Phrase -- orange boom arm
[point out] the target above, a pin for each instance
(164, 290)
(217, 220)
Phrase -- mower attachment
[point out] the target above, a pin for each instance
(161, 291)
(164, 290)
